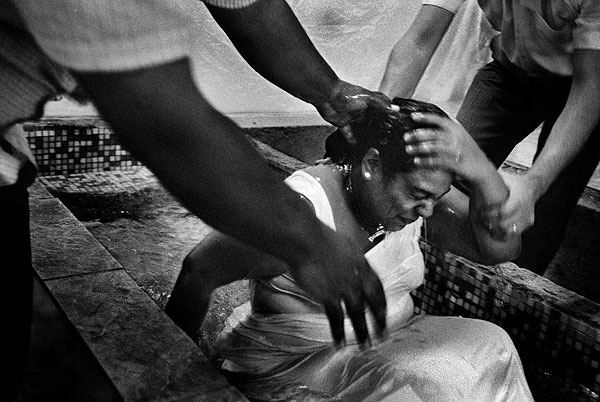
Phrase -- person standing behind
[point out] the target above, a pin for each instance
(132, 59)
(545, 70)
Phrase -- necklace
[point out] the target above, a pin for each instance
(375, 232)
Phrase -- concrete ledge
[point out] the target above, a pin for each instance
(142, 352)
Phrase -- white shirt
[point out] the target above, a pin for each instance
(540, 36)
(90, 35)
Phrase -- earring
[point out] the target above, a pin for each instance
(367, 175)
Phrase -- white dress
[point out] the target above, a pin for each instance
(423, 358)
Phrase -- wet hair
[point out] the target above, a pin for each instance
(382, 130)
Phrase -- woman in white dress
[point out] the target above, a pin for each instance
(377, 195)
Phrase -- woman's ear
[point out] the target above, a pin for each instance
(371, 168)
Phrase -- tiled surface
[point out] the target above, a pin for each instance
(556, 331)
(61, 149)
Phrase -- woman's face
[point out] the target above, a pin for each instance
(403, 199)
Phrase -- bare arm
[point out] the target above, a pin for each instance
(270, 38)
(457, 223)
(216, 261)
(205, 160)
(572, 129)
(411, 54)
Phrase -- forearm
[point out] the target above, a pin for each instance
(270, 38)
(457, 223)
(574, 125)
(204, 159)
(493, 246)
(411, 54)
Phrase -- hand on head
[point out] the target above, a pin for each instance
(347, 101)
(443, 143)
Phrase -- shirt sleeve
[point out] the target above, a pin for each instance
(450, 5)
(230, 3)
(108, 35)
(586, 34)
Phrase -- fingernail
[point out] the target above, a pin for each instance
(417, 160)
(395, 108)
(416, 115)
(409, 149)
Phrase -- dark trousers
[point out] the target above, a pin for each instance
(17, 289)
(502, 106)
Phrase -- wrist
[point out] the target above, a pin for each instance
(328, 87)
(536, 183)
(480, 169)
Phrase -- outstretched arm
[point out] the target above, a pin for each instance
(205, 160)
(569, 134)
(457, 223)
(411, 54)
(270, 38)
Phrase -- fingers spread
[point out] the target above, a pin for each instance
(421, 135)
(356, 310)
(335, 314)
(429, 119)
(374, 296)
(381, 101)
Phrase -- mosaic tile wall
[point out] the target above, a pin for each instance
(558, 337)
(61, 149)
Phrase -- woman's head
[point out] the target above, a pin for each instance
(384, 131)
(391, 189)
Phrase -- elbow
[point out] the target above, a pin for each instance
(500, 253)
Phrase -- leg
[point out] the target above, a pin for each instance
(437, 359)
(28, 79)
(216, 261)
(554, 210)
(499, 109)
(16, 253)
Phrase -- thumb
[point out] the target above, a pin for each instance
(348, 134)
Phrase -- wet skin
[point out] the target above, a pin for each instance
(403, 199)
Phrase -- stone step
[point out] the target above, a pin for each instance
(143, 353)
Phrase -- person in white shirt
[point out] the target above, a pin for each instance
(545, 71)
